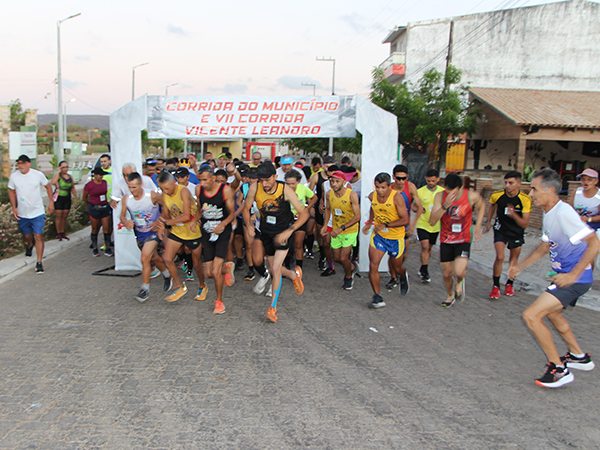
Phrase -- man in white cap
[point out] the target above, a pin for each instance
(586, 199)
(287, 162)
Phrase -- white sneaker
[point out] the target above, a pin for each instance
(262, 284)
(270, 293)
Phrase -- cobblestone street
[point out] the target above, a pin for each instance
(83, 366)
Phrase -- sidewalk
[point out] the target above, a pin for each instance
(11, 267)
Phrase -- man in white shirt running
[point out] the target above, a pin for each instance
(28, 207)
(572, 246)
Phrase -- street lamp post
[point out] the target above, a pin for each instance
(65, 123)
(61, 150)
(53, 137)
(133, 79)
(165, 139)
(332, 93)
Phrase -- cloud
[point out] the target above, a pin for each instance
(231, 88)
(295, 82)
(72, 84)
(176, 30)
(82, 58)
(358, 22)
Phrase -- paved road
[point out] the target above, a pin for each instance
(83, 365)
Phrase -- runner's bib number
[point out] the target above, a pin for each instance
(456, 228)
(271, 220)
(338, 212)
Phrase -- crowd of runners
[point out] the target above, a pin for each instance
(208, 220)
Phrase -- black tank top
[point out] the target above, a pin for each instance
(320, 181)
(213, 209)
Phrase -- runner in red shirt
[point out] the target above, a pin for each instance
(454, 207)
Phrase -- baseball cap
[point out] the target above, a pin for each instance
(299, 164)
(265, 170)
(338, 174)
(222, 155)
(329, 160)
(252, 173)
(243, 169)
(182, 172)
(589, 172)
(23, 158)
(287, 160)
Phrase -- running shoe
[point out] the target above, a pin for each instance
(271, 315)
(348, 284)
(555, 377)
(573, 362)
(448, 302)
(495, 294)
(181, 265)
(219, 307)
(424, 277)
(270, 291)
(108, 252)
(168, 285)
(29, 251)
(328, 272)
(262, 284)
(239, 264)
(322, 264)
(189, 274)
(509, 291)
(459, 293)
(298, 284)
(155, 273)
(309, 255)
(391, 284)
(229, 277)
(59, 236)
(176, 294)
(404, 285)
(39, 268)
(355, 269)
(377, 302)
(142, 296)
(202, 293)
(250, 275)
(64, 236)
(95, 252)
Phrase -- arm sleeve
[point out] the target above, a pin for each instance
(572, 226)
(11, 184)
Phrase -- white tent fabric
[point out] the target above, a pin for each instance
(126, 125)
(379, 148)
(379, 129)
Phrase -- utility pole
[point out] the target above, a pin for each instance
(332, 93)
(165, 139)
(133, 79)
(443, 142)
(314, 86)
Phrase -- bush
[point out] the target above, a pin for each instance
(11, 240)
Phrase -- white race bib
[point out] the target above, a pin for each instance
(430, 208)
(338, 212)
(103, 198)
(271, 220)
(456, 228)
(139, 222)
(506, 211)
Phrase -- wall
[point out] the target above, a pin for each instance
(551, 46)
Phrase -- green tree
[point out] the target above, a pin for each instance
(17, 115)
(434, 110)
(309, 145)
(176, 145)
(106, 135)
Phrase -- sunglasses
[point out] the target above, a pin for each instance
(401, 178)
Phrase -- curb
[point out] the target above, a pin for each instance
(11, 267)
(535, 285)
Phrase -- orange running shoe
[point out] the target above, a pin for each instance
(219, 307)
(202, 292)
(271, 315)
(176, 294)
(298, 284)
(229, 277)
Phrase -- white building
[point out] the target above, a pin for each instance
(551, 46)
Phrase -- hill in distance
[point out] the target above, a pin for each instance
(85, 120)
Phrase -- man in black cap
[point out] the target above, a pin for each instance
(28, 207)
(316, 183)
(273, 199)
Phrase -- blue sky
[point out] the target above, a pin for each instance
(208, 48)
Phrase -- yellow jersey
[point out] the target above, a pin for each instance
(175, 206)
(427, 197)
(385, 212)
(341, 211)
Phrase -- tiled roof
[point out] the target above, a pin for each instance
(555, 109)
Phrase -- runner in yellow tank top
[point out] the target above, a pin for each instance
(343, 206)
(180, 228)
(389, 216)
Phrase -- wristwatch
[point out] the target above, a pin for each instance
(589, 219)
(343, 227)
